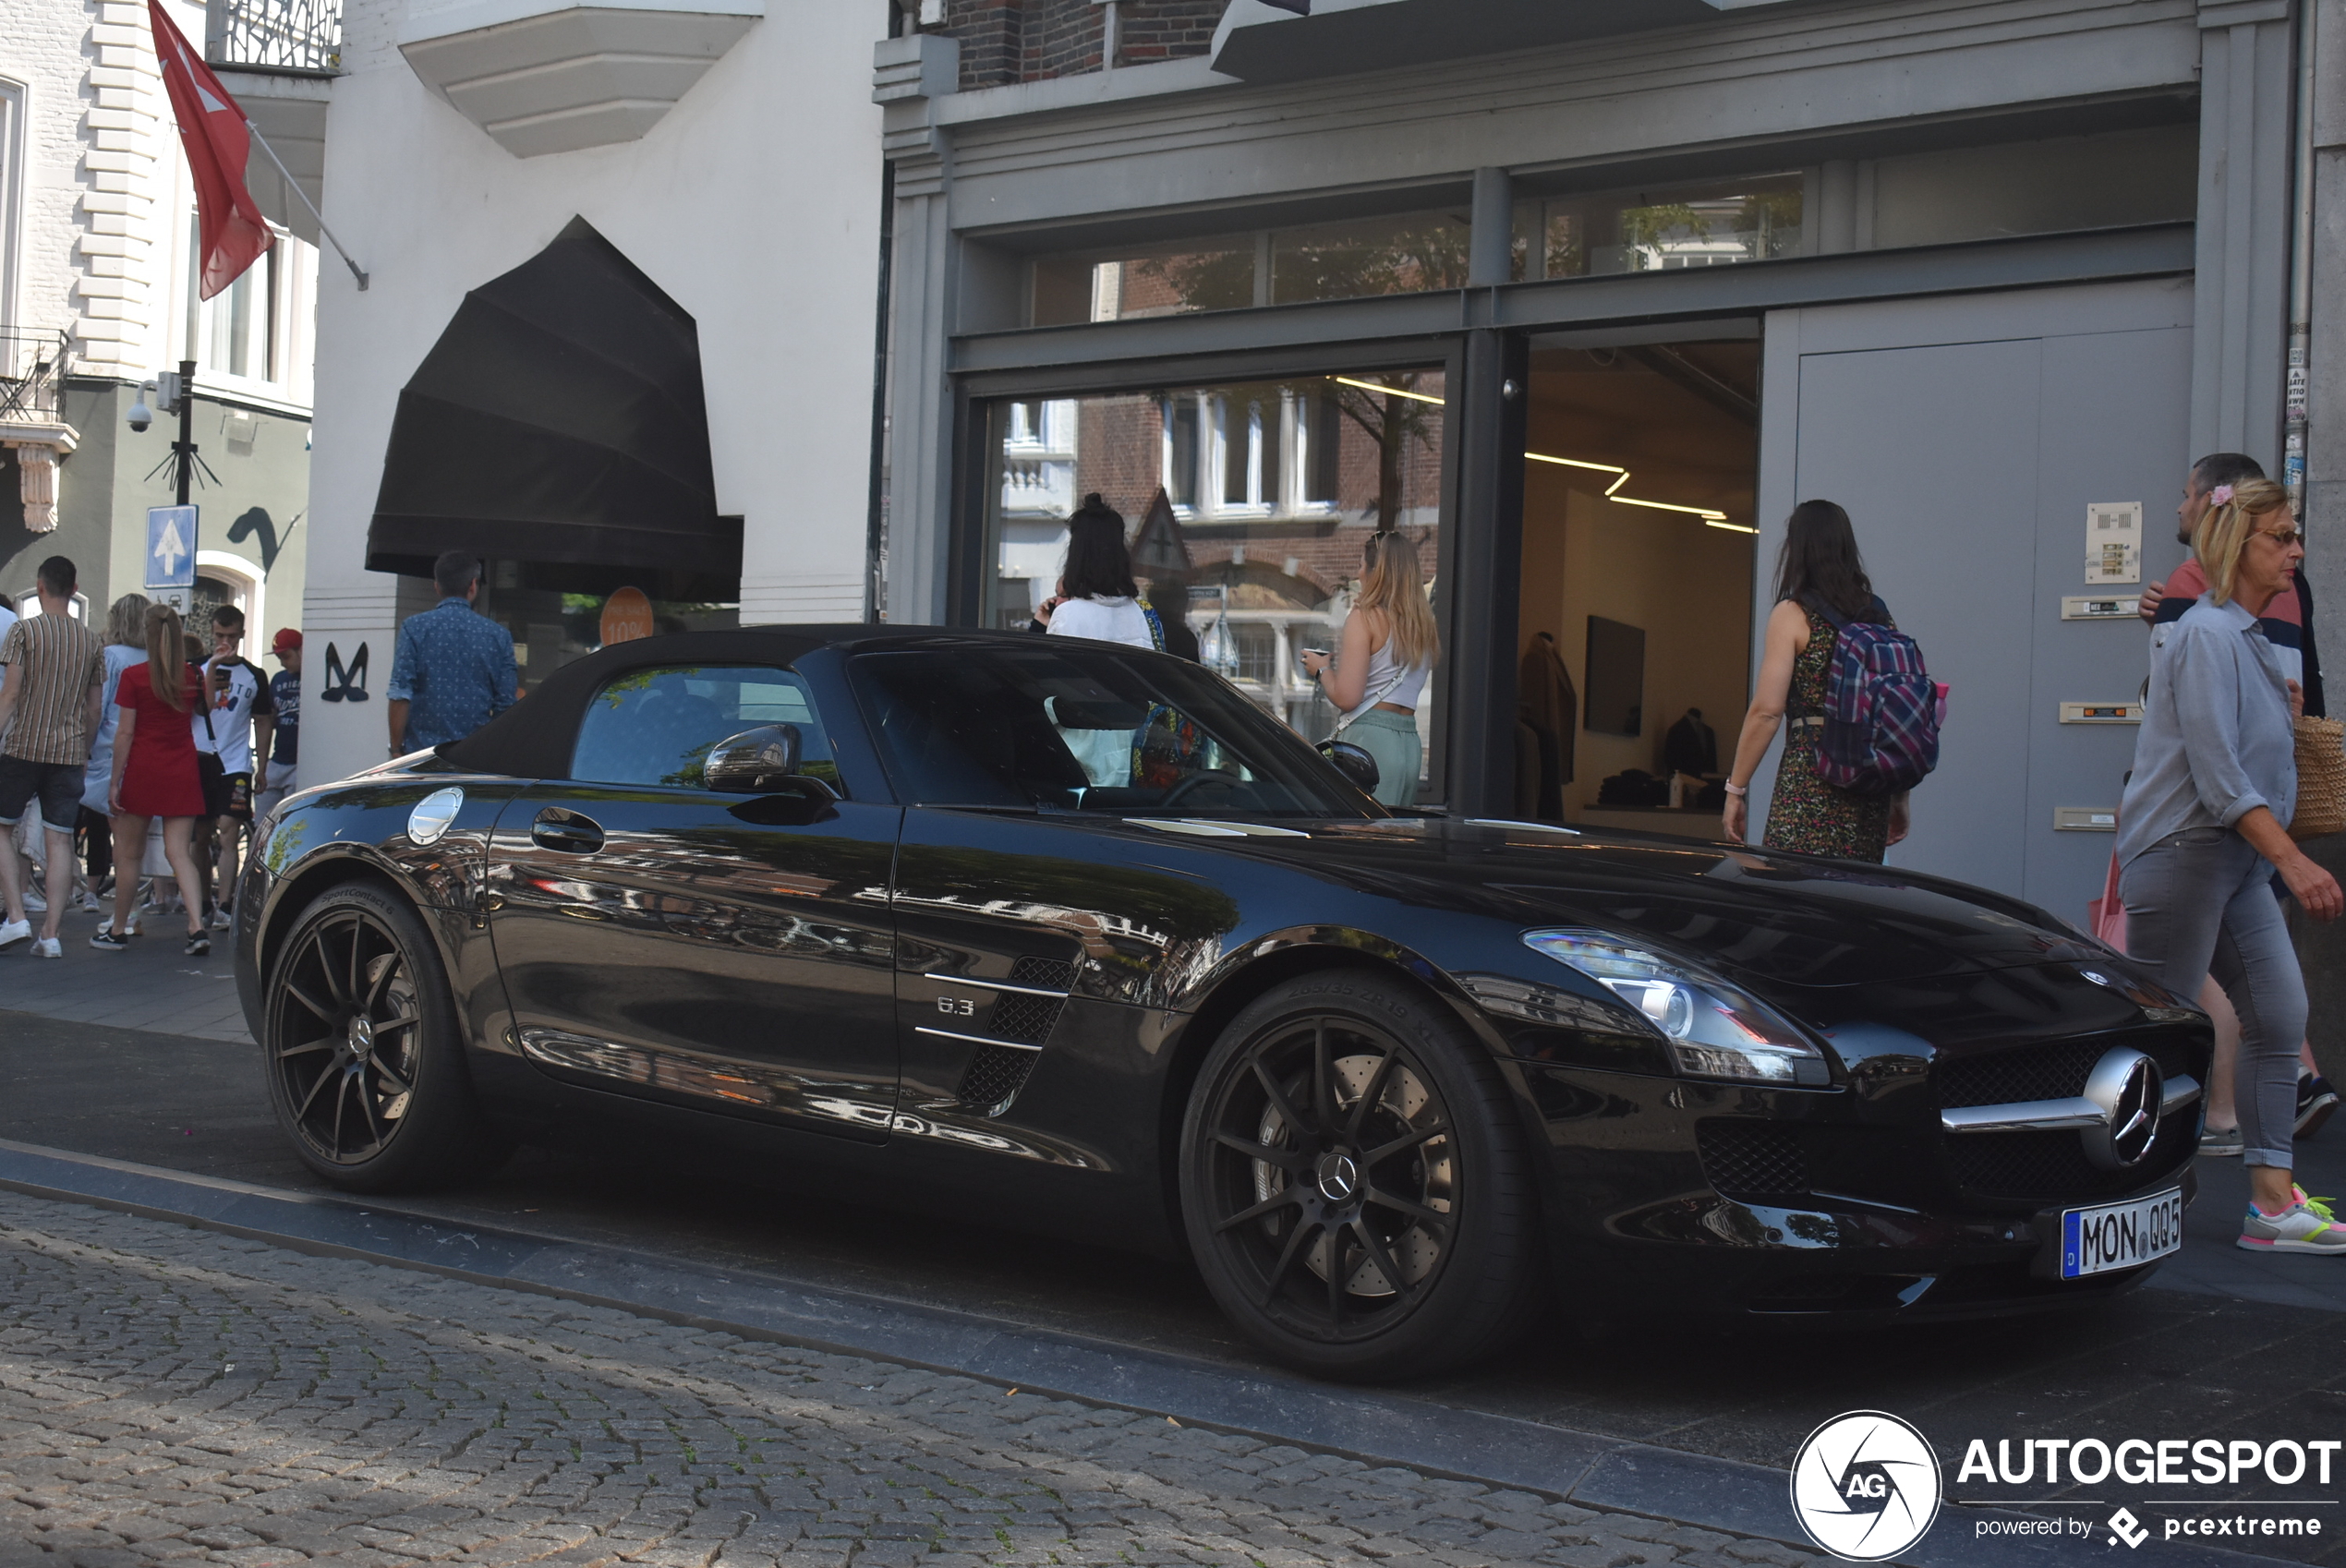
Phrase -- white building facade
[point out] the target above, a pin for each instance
(687, 192)
(97, 295)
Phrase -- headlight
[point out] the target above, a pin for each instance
(1713, 1029)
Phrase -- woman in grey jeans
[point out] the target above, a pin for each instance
(2202, 830)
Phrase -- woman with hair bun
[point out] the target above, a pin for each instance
(2203, 827)
(1818, 575)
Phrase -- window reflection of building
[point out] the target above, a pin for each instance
(1253, 452)
(1248, 505)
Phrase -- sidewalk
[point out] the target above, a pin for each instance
(153, 986)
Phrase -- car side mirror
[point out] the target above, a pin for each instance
(754, 762)
(1353, 762)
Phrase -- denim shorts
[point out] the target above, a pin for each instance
(58, 785)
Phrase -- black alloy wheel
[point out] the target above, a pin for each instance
(363, 1052)
(1355, 1183)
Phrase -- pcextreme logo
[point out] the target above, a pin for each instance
(1865, 1486)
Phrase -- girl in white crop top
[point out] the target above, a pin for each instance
(1378, 676)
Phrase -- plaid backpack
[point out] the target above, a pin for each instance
(1882, 708)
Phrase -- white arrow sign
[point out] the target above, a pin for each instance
(171, 547)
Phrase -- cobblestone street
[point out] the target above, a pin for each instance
(171, 1394)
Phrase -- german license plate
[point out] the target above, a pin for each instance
(2120, 1236)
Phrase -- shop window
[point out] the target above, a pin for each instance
(1247, 508)
(1125, 285)
(1715, 225)
(1408, 254)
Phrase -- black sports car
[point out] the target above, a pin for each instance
(1068, 935)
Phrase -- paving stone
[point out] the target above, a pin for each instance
(172, 1396)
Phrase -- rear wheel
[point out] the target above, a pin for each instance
(1355, 1182)
(363, 1052)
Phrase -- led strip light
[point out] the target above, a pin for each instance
(1712, 517)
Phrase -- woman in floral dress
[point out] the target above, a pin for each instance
(1818, 568)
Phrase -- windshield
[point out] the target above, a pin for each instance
(1088, 729)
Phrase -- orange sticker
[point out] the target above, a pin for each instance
(627, 615)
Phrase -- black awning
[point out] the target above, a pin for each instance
(559, 418)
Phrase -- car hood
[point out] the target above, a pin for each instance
(1789, 919)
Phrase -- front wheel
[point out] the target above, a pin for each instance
(1355, 1182)
(363, 1052)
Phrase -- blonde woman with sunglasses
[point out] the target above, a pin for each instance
(1379, 673)
(2205, 824)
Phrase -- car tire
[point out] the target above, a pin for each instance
(363, 1052)
(1343, 1130)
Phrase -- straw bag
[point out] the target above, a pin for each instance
(2321, 779)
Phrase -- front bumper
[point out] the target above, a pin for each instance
(1854, 1202)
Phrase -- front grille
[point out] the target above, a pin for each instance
(1030, 1019)
(1052, 974)
(1748, 1159)
(996, 1075)
(2051, 1166)
(2053, 1071)
(2033, 1072)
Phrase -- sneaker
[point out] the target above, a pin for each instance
(107, 942)
(2306, 1225)
(34, 903)
(47, 949)
(224, 917)
(15, 931)
(2217, 1142)
(2315, 1101)
(200, 946)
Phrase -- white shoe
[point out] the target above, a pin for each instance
(15, 931)
(34, 903)
(47, 949)
(222, 920)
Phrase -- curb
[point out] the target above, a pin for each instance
(1596, 1472)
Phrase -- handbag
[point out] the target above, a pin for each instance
(2321, 777)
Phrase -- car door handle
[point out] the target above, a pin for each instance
(566, 831)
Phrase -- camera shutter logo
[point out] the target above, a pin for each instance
(1865, 1486)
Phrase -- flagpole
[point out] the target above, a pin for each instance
(295, 185)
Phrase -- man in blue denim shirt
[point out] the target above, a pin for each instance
(454, 672)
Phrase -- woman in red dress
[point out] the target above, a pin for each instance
(154, 775)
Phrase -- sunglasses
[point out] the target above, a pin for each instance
(2284, 537)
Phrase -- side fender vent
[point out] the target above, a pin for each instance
(996, 1074)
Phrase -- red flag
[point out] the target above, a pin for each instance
(211, 128)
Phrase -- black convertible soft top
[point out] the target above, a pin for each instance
(532, 738)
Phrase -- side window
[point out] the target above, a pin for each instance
(656, 726)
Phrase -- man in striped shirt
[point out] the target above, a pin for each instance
(52, 671)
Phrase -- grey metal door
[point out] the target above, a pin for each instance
(1967, 436)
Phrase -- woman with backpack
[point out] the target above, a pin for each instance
(1819, 581)
(2202, 829)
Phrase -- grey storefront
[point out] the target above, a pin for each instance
(1584, 296)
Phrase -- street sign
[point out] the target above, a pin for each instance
(171, 547)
